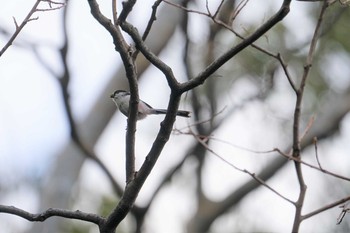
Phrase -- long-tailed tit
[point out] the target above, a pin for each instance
(121, 99)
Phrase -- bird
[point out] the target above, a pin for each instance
(121, 98)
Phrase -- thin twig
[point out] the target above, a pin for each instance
(286, 155)
(50, 2)
(207, 7)
(219, 22)
(307, 128)
(345, 209)
(27, 19)
(152, 19)
(215, 65)
(15, 22)
(240, 7)
(316, 153)
(286, 72)
(19, 27)
(51, 8)
(203, 141)
(114, 12)
(298, 160)
(210, 119)
(185, 9)
(324, 208)
(217, 9)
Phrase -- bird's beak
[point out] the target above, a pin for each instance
(112, 96)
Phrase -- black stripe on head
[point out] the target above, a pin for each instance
(119, 91)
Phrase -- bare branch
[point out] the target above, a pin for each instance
(19, 27)
(149, 25)
(58, 6)
(134, 186)
(203, 141)
(185, 9)
(307, 128)
(286, 72)
(132, 31)
(16, 24)
(240, 7)
(298, 160)
(64, 81)
(215, 65)
(114, 12)
(151, 20)
(316, 154)
(124, 50)
(219, 22)
(127, 8)
(27, 19)
(324, 208)
(41, 217)
(296, 122)
(50, 2)
(135, 183)
(217, 10)
(207, 7)
(345, 209)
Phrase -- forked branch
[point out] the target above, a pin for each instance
(29, 18)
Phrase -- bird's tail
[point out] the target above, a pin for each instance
(183, 113)
(180, 113)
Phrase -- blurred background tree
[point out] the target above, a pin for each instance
(53, 134)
